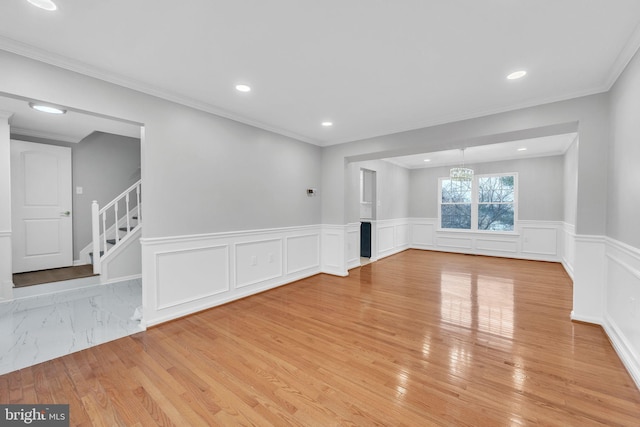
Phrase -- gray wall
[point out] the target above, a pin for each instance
(588, 115)
(392, 184)
(571, 182)
(624, 158)
(540, 187)
(104, 165)
(202, 173)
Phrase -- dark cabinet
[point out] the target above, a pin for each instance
(365, 239)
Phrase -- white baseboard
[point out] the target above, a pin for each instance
(623, 348)
(121, 279)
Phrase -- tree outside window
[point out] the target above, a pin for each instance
(485, 203)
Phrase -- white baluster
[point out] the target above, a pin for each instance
(138, 200)
(95, 235)
(104, 233)
(115, 211)
(126, 202)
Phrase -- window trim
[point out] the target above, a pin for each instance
(475, 204)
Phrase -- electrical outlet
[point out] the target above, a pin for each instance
(254, 260)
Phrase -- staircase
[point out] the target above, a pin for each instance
(115, 225)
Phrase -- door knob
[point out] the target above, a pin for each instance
(65, 213)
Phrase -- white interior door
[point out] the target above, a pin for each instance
(42, 232)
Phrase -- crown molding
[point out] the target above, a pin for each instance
(624, 57)
(60, 61)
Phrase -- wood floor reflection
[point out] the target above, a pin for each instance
(417, 339)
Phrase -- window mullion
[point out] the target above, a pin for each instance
(474, 204)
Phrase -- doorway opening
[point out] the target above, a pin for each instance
(59, 165)
(367, 213)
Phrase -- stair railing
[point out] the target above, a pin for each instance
(99, 227)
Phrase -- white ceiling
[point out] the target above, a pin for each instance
(373, 67)
(555, 145)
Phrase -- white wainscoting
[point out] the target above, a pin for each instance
(391, 236)
(622, 304)
(186, 274)
(353, 245)
(535, 240)
(568, 247)
(6, 278)
(334, 250)
(589, 281)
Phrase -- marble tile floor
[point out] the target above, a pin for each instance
(34, 329)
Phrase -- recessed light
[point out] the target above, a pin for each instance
(522, 149)
(427, 160)
(517, 75)
(243, 88)
(47, 108)
(44, 4)
(327, 124)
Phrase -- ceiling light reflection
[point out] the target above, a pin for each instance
(44, 4)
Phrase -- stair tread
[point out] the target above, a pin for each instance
(125, 228)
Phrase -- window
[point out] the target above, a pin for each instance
(488, 202)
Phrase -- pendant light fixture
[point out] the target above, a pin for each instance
(461, 173)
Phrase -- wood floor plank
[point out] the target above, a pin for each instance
(416, 339)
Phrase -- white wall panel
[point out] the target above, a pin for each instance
(622, 310)
(6, 280)
(539, 240)
(353, 245)
(422, 234)
(191, 274)
(385, 239)
(499, 245)
(303, 252)
(185, 274)
(258, 261)
(402, 235)
(454, 242)
(334, 250)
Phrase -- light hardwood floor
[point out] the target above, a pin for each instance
(416, 339)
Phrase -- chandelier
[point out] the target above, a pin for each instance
(461, 173)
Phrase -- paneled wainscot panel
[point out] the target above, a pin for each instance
(402, 235)
(191, 274)
(303, 252)
(455, 242)
(385, 239)
(542, 241)
(258, 261)
(509, 246)
(422, 234)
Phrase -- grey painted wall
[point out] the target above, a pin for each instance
(104, 165)
(624, 158)
(540, 187)
(201, 173)
(571, 182)
(588, 115)
(392, 185)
